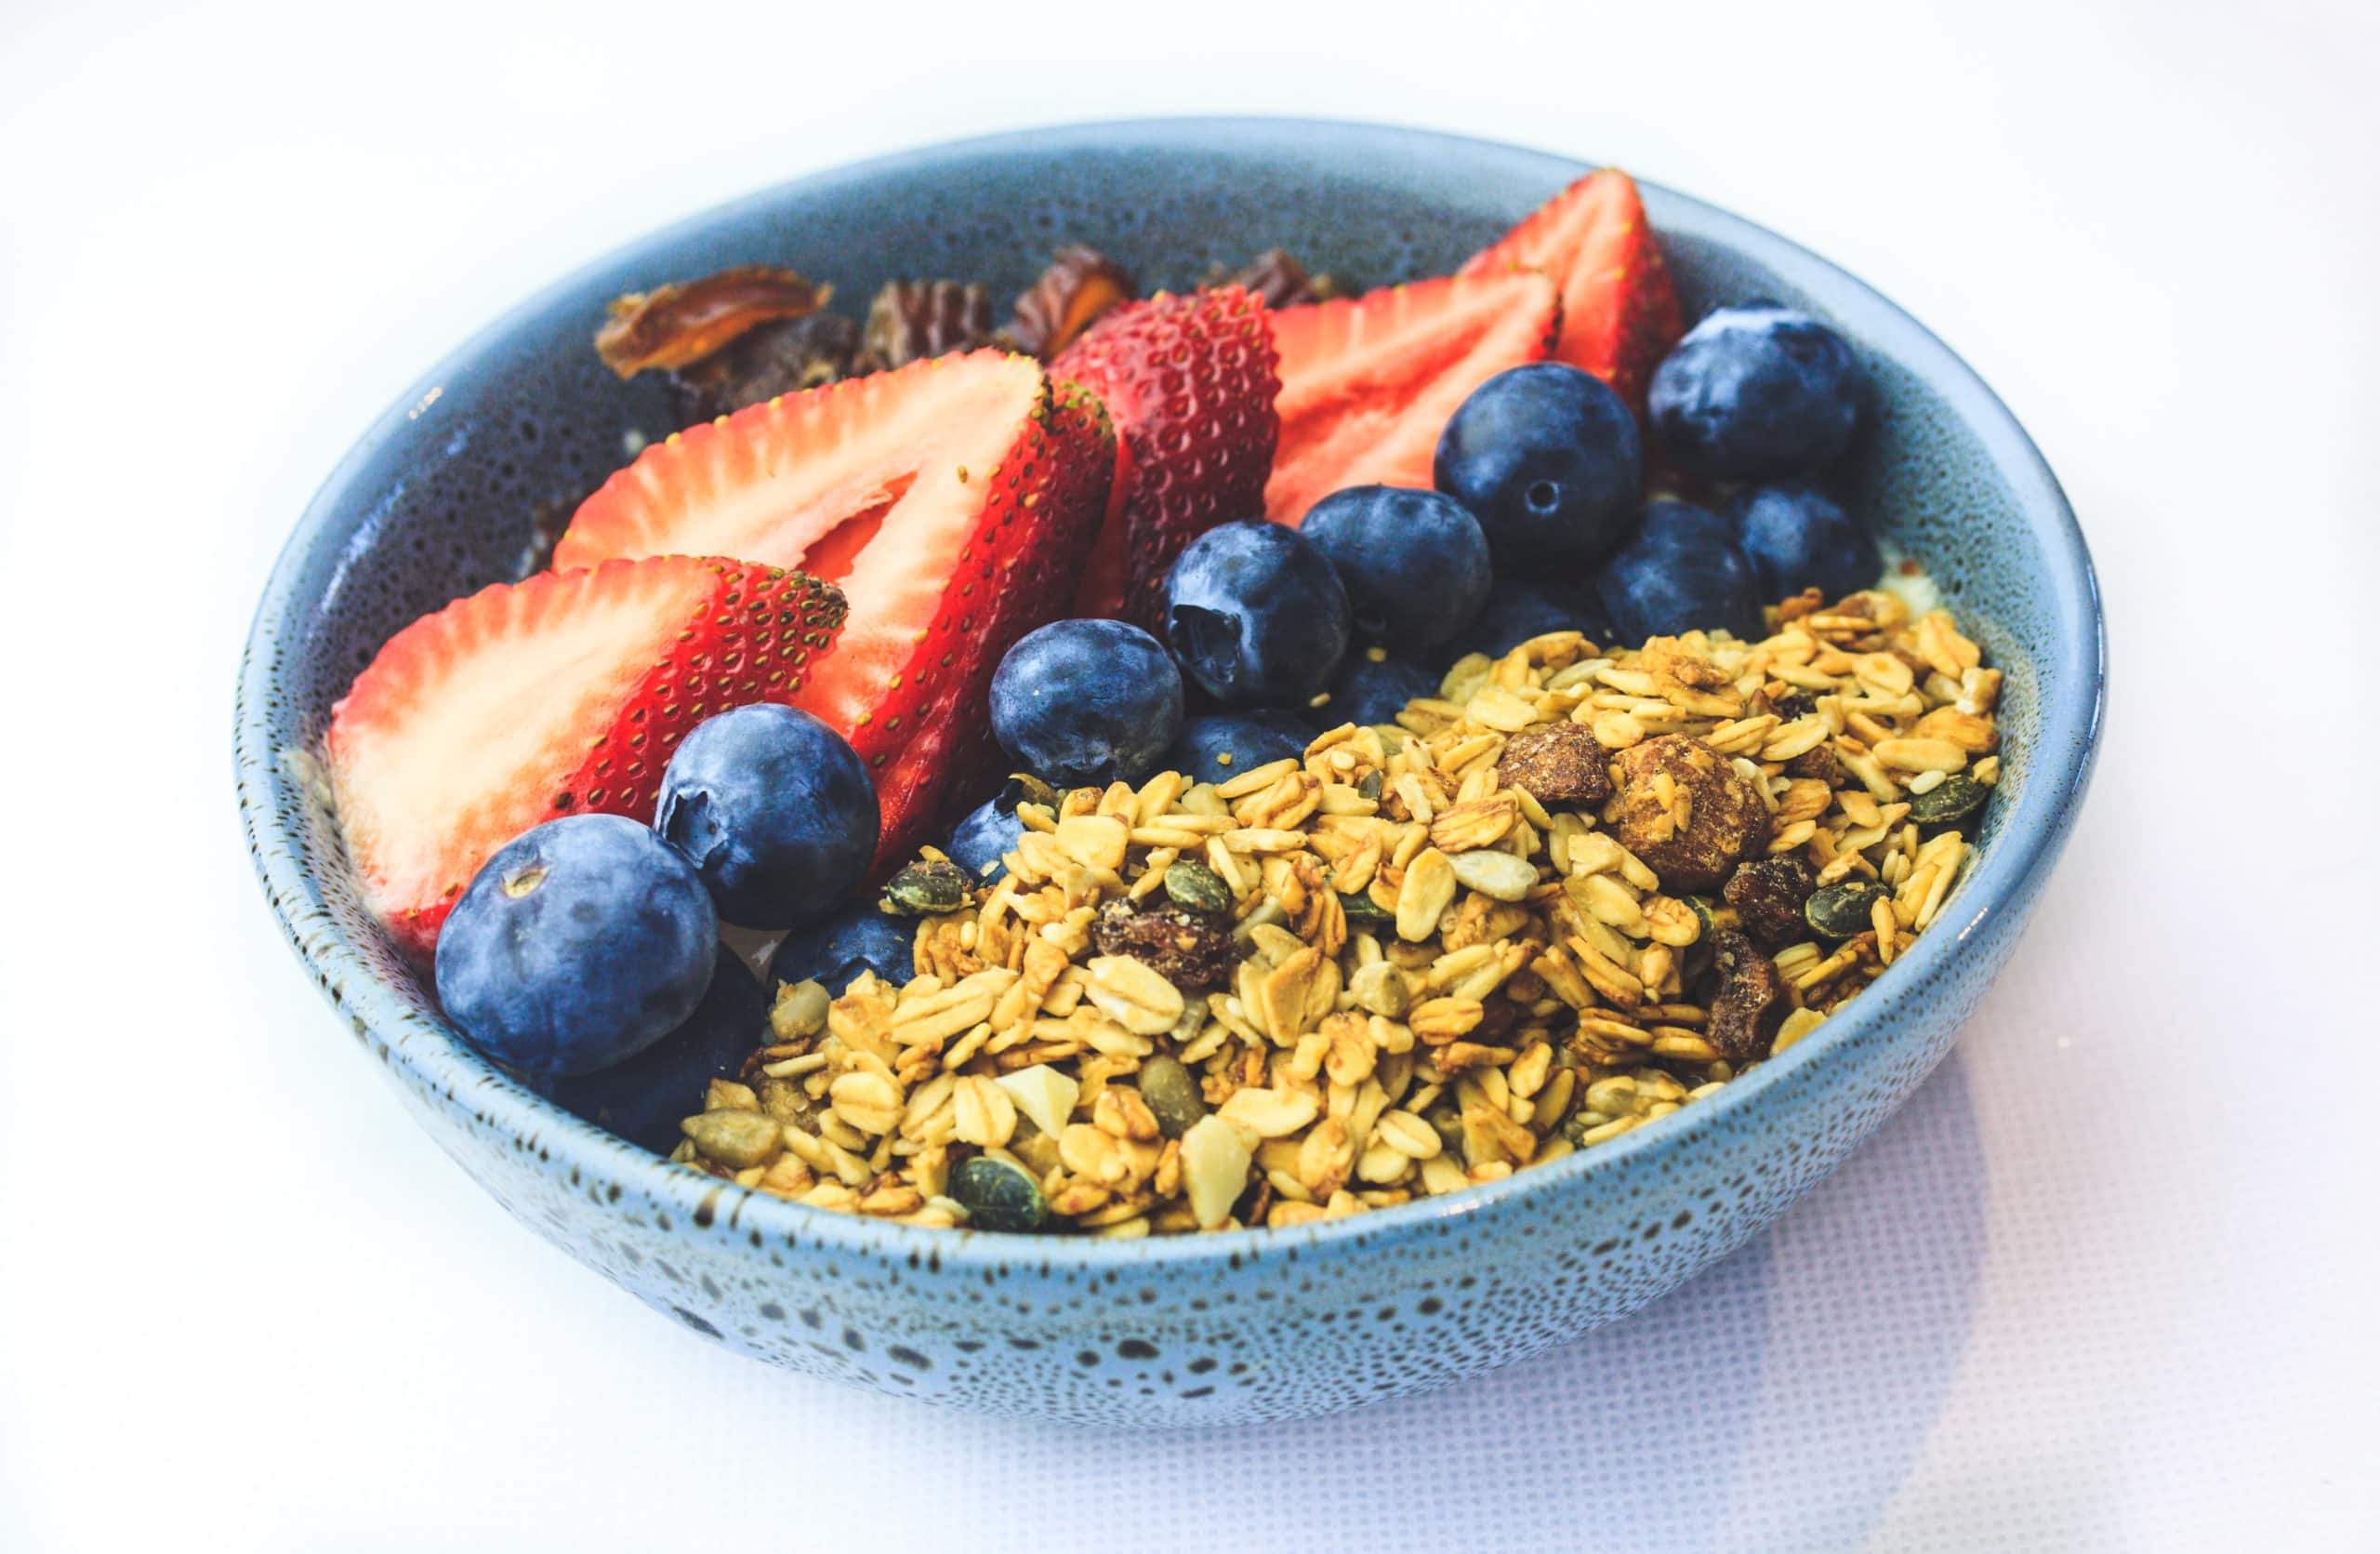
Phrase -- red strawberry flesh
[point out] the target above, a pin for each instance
(1620, 313)
(952, 500)
(562, 694)
(1190, 382)
(1369, 382)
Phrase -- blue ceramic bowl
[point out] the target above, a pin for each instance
(438, 500)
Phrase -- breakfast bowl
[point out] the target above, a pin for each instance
(450, 490)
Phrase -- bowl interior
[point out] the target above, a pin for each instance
(447, 492)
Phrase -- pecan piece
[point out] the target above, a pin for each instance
(1686, 812)
(683, 322)
(1767, 895)
(912, 320)
(1751, 1000)
(1281, 281)
(1560, 764)
(782, 357)
(1081, 285)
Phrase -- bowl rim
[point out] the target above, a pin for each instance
(2065, 750)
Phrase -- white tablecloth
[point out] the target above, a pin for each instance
(2106, 1283)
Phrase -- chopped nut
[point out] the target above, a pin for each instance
(1042, 1093)
(1215, 1158)
(737, 1140)
(912, 320)
(680, 324)
(1079, 285)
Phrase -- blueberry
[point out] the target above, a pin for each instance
(1757, 392)
(1414, 563)
(1250, 740)
(1681, 572)
(577, 945)
(643, 1098)
(1373, 690)
(986, 835)
(834, 952)
(775, 810)
(1797, 536)
(1086, 702)
(1551, 460)
(1256, 615)
(1517, 611)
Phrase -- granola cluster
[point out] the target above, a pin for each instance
(1573, 892)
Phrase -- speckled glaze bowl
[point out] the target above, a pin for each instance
(440, 495)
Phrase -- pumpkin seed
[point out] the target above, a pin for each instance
(1840, 910)
(927, 889)
(1948, 801)
(1172, 1094)
(998, 1196)
(1195, 886)
(1363, 911)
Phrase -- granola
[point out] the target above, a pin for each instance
(1392, 969)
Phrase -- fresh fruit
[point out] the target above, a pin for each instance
(1550, 460)
(1255, 614)
(1190, 382)
(1619, 313)
(581, 943)
(834, 952)
(1371, 690)
(643, 1098)
(1368, 382)
(1221, 746)
(1756, 392)
(1084, 703)
(1797, 536)
(952, 501)
(565, 692)
(988, 834)
(1415, 563)
(1517, 611)
(1680, 572)
(776, 811)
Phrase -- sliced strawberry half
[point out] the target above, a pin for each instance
(562, 694)
(952, 501)
(1620, 313)
(1190, 382)
(1368, 382)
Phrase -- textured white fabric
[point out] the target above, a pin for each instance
(2106, 1283)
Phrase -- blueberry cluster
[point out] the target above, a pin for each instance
(586, 952)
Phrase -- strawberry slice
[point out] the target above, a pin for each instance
(1190, 381)
(1368, 382)
(564, 693)
(1620, 313)
(951, 500)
